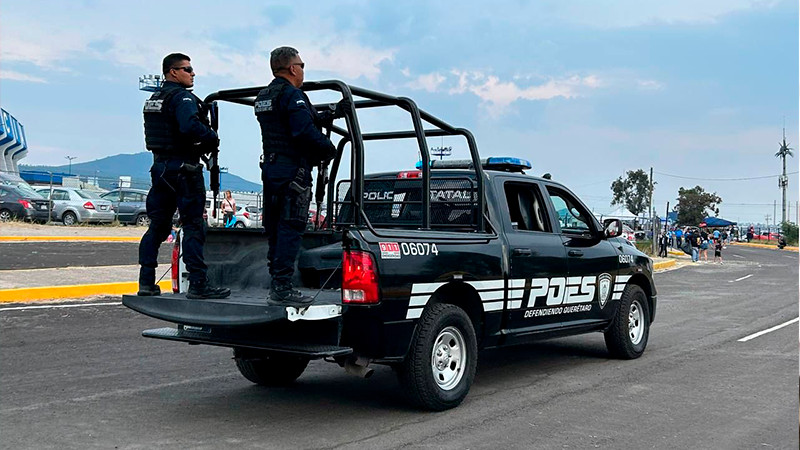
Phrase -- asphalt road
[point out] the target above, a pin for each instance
(41, 255)
(83, 378)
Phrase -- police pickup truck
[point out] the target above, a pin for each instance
(417, 269)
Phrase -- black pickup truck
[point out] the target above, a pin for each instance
(418, 269)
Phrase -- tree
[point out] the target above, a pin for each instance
(633, 191)
(783, 182)
(693, 204)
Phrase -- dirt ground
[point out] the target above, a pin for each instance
(57, 229)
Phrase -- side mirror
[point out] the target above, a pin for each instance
(612, 228)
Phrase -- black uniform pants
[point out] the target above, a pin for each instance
(287, 196)
(174, 185)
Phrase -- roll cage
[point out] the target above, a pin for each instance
(352, 134)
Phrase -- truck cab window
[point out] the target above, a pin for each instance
(571, 215)
(525, 207)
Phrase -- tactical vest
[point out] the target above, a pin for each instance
(275, 137)
(161, 133)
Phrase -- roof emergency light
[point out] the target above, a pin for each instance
(501, 163)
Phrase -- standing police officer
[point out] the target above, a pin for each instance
(177, 131)
(292, 143)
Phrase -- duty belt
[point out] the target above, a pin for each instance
(164, 158)
(280, 158)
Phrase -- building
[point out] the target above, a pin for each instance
(13, 145)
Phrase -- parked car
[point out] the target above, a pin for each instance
(130, 205)
(21, 202)
(248, 217)
(72, 205)
(764, 236)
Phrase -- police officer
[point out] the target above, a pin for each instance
(177, 131)
(292, 143)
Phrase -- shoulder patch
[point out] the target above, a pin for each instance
(301, 102)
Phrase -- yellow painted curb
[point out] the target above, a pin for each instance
(664, 264)
(770, 246)
(73, 291)
(70, 238)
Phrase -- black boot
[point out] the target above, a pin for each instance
(148, 290)
(282, 294)
(205, 290)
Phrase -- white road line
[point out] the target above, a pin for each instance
(19, 308)
(738, 256)
(740, 279)
(768, 330)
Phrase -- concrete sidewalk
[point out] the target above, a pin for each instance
(28, 285)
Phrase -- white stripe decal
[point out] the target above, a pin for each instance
(516, 283)
(616, 296)
(515, 304)
(492, 295)
(490, 284)
(418, 300)
(622, 278)
(516, 293)
(493, 306)
(619, 287)
(414, 313)
(425, 288)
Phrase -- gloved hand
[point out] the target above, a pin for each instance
(342, 107)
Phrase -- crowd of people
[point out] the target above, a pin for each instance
(696, 242)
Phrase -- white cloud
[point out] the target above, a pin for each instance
(649, 85)
(429, 82)
(17, 76)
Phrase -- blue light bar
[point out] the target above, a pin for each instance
(503, 163)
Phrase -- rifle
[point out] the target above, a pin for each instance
(212, 160)
(322, 183)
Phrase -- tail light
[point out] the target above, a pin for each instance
(25, 204)
(88, 205)
(246, 215)
(359, 278)
(176, 282)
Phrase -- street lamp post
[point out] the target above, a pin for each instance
(70, 158)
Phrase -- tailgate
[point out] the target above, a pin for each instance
(246, 320)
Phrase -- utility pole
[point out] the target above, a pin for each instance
(783, 181)
(652, 218)
(775, 208)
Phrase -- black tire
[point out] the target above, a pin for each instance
(142, 220)
(69, 218)
(269, 369)
(628, 334)
(6, 215)
(440, 366)
(238, 225)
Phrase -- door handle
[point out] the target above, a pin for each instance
(575, 253)
(522, 251)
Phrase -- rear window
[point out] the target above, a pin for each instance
(88, 194)
(26, 192)
(397, 203)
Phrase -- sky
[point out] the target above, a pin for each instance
(586, 90)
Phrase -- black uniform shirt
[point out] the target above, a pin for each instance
(187, 115)
(304, 121)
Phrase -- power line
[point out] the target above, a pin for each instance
(722, 179)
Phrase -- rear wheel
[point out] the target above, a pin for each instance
(5, 215)
(441, 362)
(627, 337)
(238, 225)
(269, 369)
(142, 220)
(69, 218)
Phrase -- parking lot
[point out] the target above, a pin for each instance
(78, 375)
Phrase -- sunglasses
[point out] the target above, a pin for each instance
(187, 69)
(302, 65)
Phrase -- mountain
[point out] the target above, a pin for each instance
(137, 166)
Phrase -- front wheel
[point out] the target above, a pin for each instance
(627, 337)
(269, 369)
(5, 215)
(142, 220)
(440, 365)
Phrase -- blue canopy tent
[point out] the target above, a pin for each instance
(713, 222)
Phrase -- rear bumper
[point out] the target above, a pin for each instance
(97, 216)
